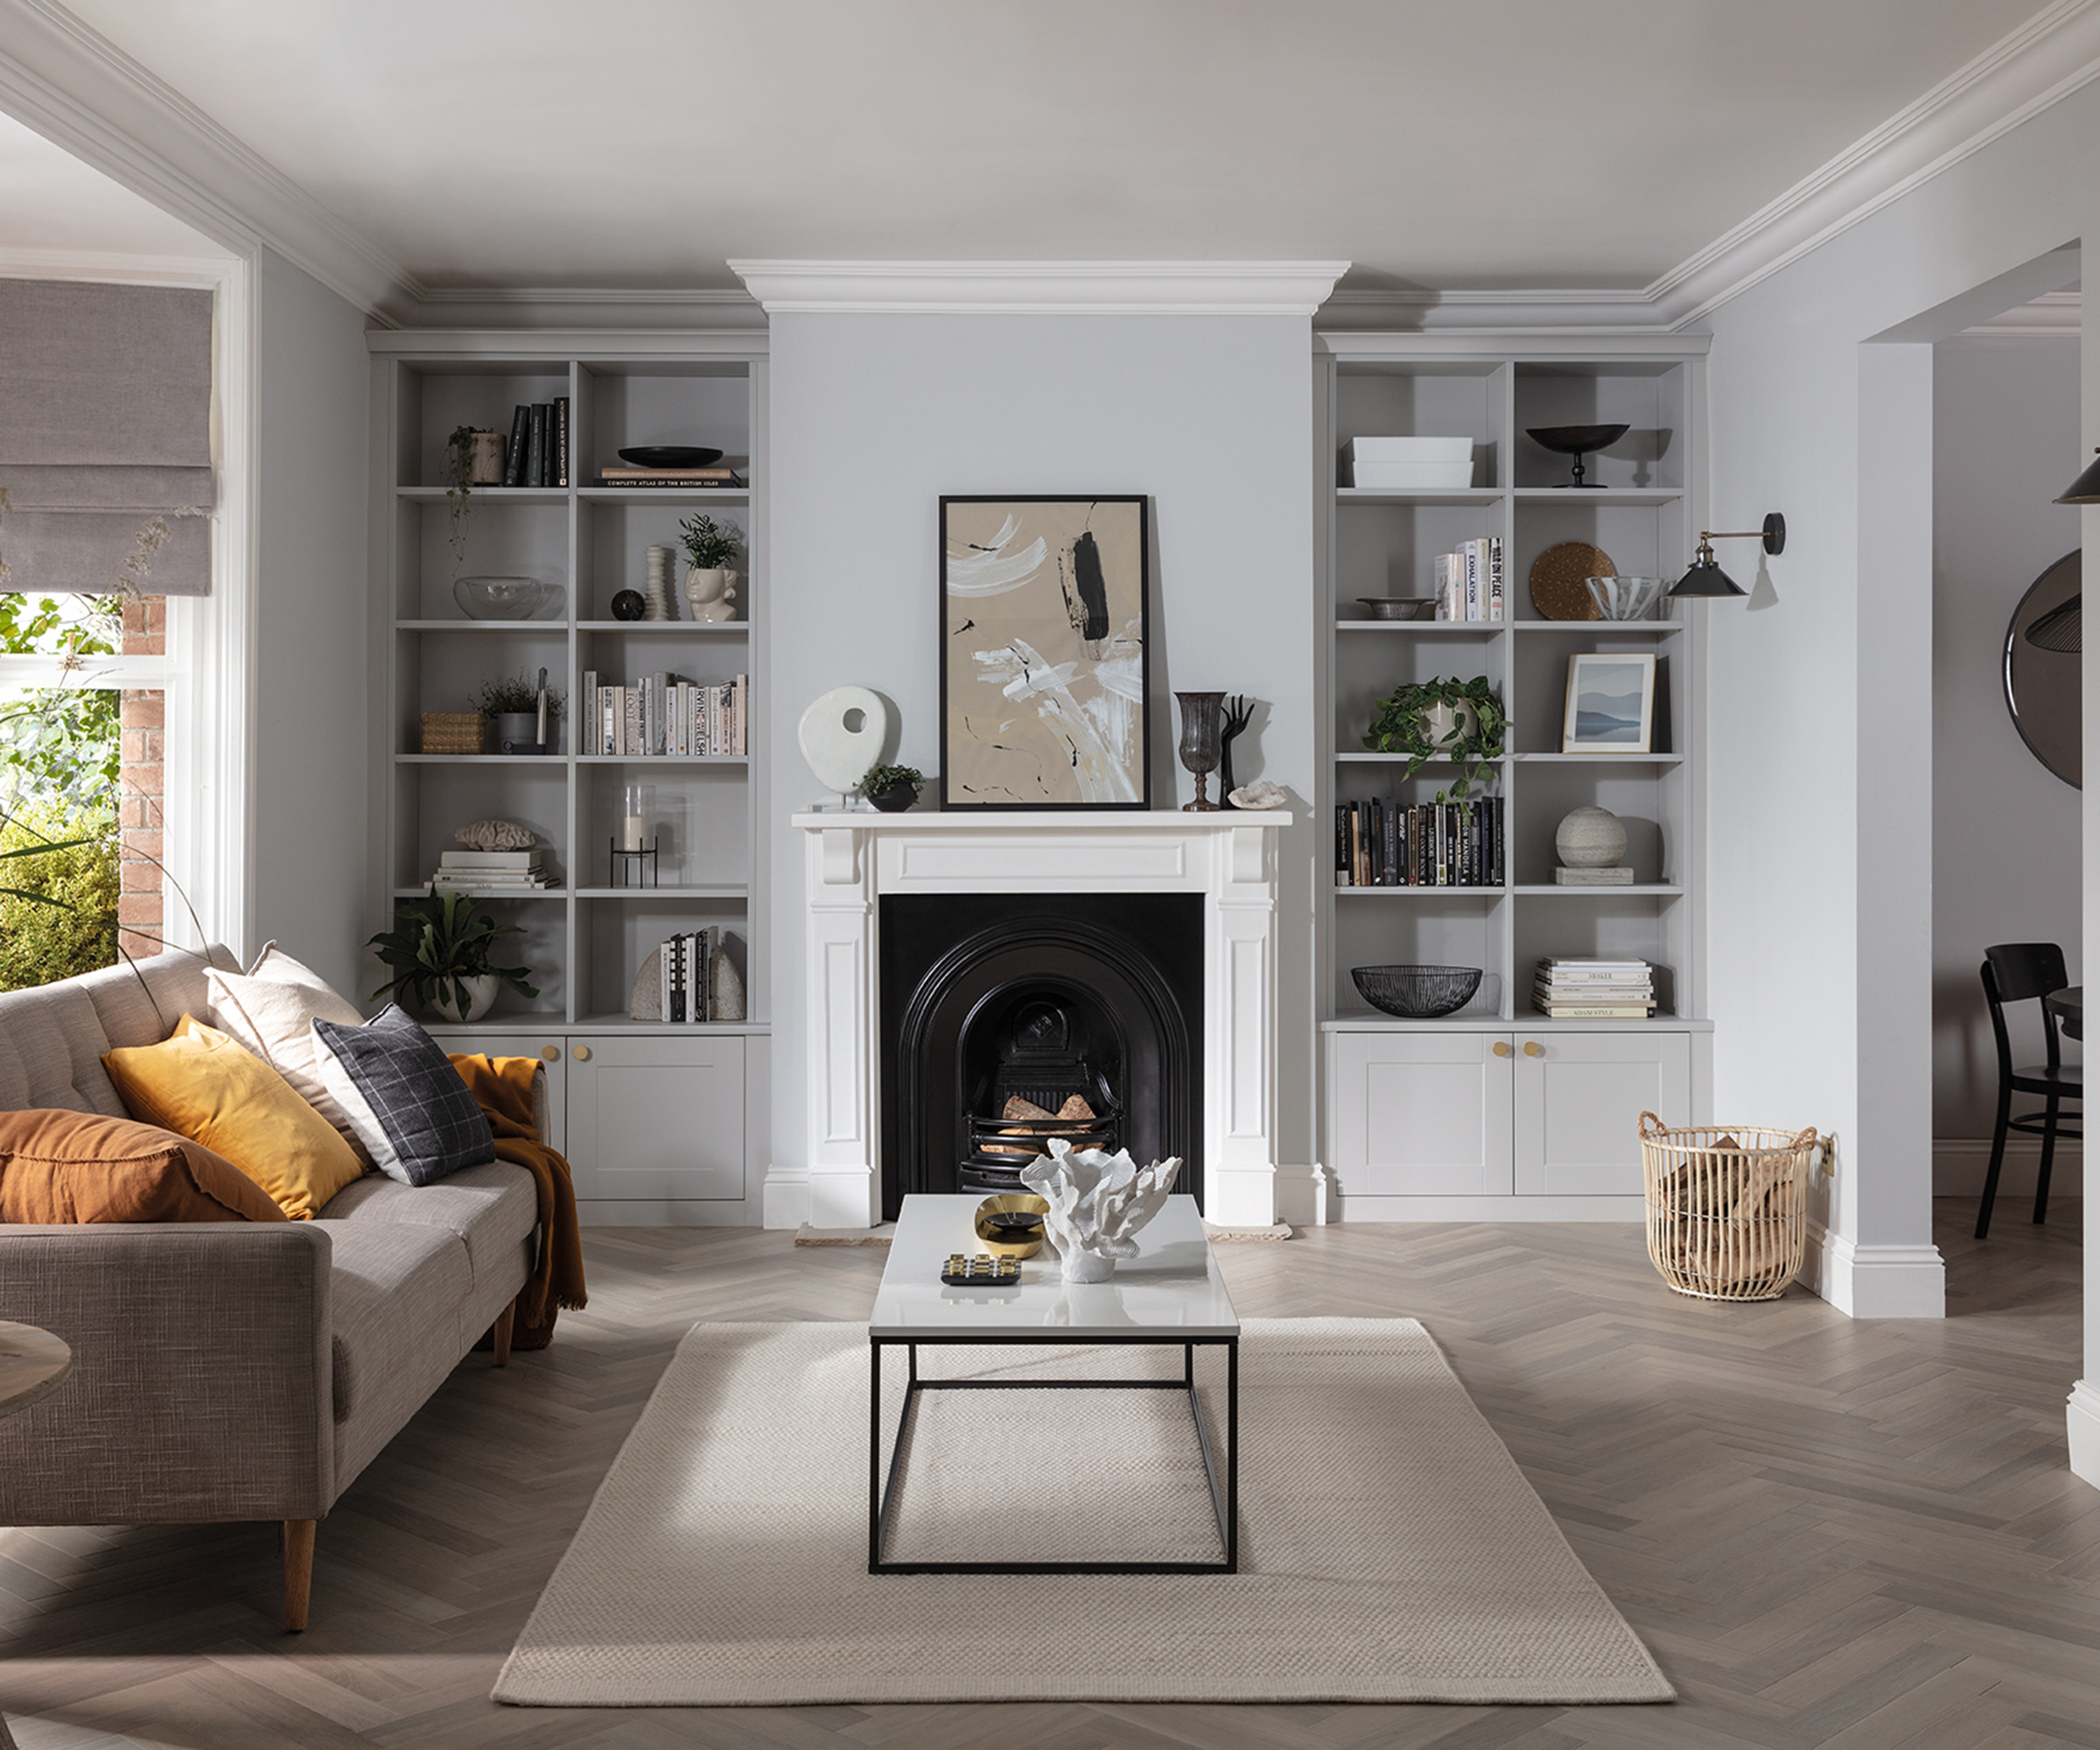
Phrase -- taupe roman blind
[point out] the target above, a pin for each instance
(106, 437)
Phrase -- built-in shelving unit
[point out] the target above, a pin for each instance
(1646, 515)
(584, 941)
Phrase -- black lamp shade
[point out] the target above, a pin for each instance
(2084, 490)
(1706, 578)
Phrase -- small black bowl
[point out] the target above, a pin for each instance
(670, 456)
(1417, 993)
(894, 799)
(1568, 440)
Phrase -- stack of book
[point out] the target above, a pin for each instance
(1469, 582)
(1594, 990)
(625, 474)
(520, 872)
(537, 454)
(683, 975)
(1419, 844)
(661, 717)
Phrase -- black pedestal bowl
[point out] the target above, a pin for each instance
(1576, 441)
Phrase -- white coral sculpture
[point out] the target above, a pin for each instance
(496, 835)
(1098, 1202)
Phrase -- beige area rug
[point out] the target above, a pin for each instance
(1391, 1550)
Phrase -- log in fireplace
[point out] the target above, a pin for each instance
(1010, 1019)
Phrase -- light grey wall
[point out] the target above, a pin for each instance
(874, 416)
(2004, 830)
(1812, 964)
(312, 376)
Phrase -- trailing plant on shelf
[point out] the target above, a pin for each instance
(1461, 721)
(439, 942)
(708, 545)
(459, 488)
(515, 694)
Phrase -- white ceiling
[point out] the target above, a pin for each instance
(1473, 144)
(50, 201)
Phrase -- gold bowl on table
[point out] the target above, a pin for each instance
(1009, 1238)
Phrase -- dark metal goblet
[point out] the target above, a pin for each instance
(1199, 714)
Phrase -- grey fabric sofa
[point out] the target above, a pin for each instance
(231, 1370)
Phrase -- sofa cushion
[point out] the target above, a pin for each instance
(62, 1168)
(202, 1085)
(406, 1102)
(395, 1292)
(271, 1009)
(492, 1209)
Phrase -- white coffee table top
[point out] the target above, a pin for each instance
(1170, 1289)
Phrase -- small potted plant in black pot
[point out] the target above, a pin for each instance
(521, 713)
(892, 788)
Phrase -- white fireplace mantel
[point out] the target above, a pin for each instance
(852, 859)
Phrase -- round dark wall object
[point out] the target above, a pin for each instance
(628, 605)
(1775, 534)
(2043, 686)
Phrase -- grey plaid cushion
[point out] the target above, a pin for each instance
(405, 1102)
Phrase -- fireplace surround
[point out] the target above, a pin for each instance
(853, 861)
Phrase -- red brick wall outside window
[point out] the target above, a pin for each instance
(142, 786)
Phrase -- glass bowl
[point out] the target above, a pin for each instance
(1416, 992)
(508, 597)
(1624, 597)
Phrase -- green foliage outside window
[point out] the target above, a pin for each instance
(57, 900)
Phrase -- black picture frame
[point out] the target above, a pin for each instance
(1076, 609)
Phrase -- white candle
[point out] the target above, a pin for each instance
(630, 838)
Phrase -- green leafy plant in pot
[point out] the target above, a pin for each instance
(512, 704)
(1461, 721)
(892, 788)
(440, 952)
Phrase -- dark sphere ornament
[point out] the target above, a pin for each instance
(628, 605)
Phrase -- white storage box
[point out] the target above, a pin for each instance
(1402, 464)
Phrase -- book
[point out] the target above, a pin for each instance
(1471, 555)
(492, 859)
(1596, 1012)
(514, 451)
(1494, 576)
(535, 447)
(560, 473)
(623, 473)
(630, 727)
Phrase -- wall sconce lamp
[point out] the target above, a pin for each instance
(2062, 628)
(2085, 489)
(1706, 578)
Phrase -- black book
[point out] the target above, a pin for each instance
(561, 442)
(535, 447)
(1341, 844)
(513, 452)
(1393, 877)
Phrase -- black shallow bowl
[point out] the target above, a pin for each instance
(679, 456)
(1417, 993)
(1569, 440)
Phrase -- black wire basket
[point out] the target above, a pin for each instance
(1417, 993)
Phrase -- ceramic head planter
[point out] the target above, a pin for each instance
(1098, 1202)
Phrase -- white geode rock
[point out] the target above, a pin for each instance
(496, 835)
(1261, 794)
(1098, 1202)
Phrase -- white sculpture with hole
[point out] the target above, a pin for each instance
(842, 734)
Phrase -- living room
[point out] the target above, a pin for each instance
(828, 313)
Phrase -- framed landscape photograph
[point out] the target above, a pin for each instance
(1044, 660)
(1611, 704)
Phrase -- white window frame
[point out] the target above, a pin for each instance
(206, 677)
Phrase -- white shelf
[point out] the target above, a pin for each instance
(1368, 759)
(554, 761)
(663, 760)
(667, 891)
(678, 496)
(423, 892)
(1637, 889)
(556, 625)
(1419, 495)
(1371, 1021)
(1419, 892)
(721, 628)
(488, 495)
(1598, 759)
(624, 1024)
(1572, 494)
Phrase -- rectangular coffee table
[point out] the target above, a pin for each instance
(1169, 1294)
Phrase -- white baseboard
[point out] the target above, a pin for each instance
(1301, 1195)
(663, 1212)
(1346, 1209)
(2082, 1418)
(1959, 1163)
(1875, 1282)
(785, 1201)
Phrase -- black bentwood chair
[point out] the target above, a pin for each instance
(2018, 972)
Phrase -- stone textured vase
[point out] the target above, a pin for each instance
(1590, 838)
(480, 998)
(1098, 1203)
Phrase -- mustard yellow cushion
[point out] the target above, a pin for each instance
(203, 1085)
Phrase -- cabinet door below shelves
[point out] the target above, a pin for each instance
(651, 1117)
(1579, 1099)
(1421, 1114)
(525, 1045)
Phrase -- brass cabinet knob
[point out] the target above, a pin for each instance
(583, 1054)
(1532, 1047)
(1501, 1047)
(551, 1053)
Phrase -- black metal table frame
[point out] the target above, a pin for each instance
(1225, 1501)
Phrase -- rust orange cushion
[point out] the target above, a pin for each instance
(203, 1085)
(58, 1167)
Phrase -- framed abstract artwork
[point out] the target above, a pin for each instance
(1044, 652)
(1611, 704)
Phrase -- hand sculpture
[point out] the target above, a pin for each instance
(1238, 714)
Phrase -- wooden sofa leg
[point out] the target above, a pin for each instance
(505, 1320)
(299, 1572)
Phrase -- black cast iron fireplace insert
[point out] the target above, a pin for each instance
(1008, 1019)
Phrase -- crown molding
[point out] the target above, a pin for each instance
(1042, 288)
(610, 345)
(585, 307)
(2054, 316)
(112, 267)
(64, 80)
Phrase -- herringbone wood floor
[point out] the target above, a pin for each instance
(1830, 1533)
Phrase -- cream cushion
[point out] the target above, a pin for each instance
(271, 1009)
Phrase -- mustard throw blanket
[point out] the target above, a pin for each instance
(502, 1086)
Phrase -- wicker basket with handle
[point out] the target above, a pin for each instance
(454, 732)
(1727, 1206)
